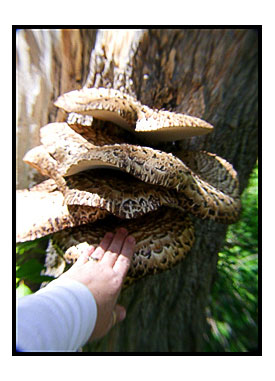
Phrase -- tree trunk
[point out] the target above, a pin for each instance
(210, 74)
(48, 63)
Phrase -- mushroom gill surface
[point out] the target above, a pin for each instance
(127, 112)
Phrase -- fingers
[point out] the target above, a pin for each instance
(103, 246)
(114, 250)
(118, 240)
(115, 247)
(123, 262)
(84, 257)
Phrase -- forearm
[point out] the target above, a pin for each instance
(60, 317)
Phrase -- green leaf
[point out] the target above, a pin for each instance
(31, 270)
(22, 290)
(28, 269)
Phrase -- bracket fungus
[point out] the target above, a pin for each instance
(124, 110)
(101, 178)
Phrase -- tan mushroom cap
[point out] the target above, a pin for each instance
(148, 191)
(117, 192)
(127, 112)
(74, 154)
(39, 158)
(105, 104)
(41, 211)
(163, 239)
(196, 195)
(212, 169)
(205, 193)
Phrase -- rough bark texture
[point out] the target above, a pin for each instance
(211, 74)
(48, 63)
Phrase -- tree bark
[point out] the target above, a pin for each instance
(210, 74)
(48, 63)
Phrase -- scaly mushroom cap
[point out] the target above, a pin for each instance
(150, 198)
(163, 238)
(207, 193)
(41, 211)
(118, 193)
(127, 112)
(127, 197)
(213, 169)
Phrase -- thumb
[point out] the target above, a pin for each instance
(120, 313)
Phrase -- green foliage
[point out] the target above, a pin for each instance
(30, 270)
(232, 314)
(22, 290)
(29, 264)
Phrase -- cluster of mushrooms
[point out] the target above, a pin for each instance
(104, 175)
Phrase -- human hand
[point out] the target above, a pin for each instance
(104, 276)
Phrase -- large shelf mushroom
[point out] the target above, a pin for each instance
(98, 173)
(125, 111)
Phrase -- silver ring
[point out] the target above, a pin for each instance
(93, 259)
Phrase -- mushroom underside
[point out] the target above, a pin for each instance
(124, 110)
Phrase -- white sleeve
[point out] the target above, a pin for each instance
(59, 317)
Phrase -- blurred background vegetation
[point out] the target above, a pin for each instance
(232, 312)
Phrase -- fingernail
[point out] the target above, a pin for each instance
(109, 235)
(131, 239)
(122, 315)
(90, 250)
(123, 230)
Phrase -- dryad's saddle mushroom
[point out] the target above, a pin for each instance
(102, 177)
(127, 112)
